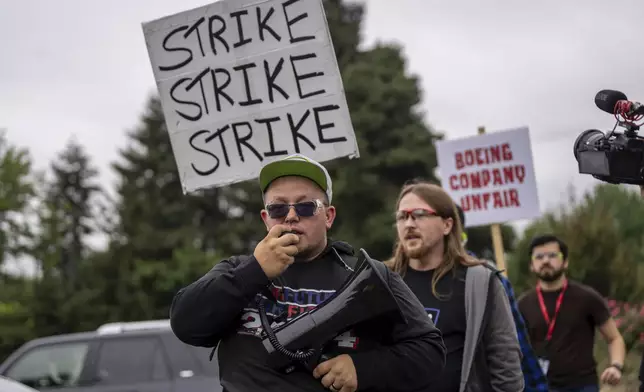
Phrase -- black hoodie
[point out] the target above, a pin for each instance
(220, 309)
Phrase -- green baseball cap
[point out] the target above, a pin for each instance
(296, 165)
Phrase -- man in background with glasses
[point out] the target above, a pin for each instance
(561, 316)
(293, 269)
(459, 293)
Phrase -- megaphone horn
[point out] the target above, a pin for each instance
(363, 296)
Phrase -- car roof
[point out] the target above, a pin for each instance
(9, 385)
(136, 328)
(62, 338)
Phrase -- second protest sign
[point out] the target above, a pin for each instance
(491, 176)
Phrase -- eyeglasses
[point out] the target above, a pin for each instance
(303, 209)
(549, 255)
(416, 213)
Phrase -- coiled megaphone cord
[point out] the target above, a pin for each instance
(296, 356)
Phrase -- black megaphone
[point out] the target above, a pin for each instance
(301, 341)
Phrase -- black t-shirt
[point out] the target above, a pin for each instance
(302, 287)
(448, 314)
(570, 351)
(221, 307)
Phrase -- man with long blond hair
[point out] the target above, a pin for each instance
(461, 296)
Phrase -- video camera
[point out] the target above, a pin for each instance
(616, 158)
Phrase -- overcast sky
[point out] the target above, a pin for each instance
(77, 68)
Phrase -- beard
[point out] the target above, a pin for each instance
(418, 250)
(550, 275)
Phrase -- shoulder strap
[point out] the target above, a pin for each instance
(477, 281)
(349, 260)
(345, 253)
(488, 264)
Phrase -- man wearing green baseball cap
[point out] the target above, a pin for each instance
(302, 268)
(297, 165)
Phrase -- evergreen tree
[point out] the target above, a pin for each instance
(65, 221)
(158, 225)
(72, 194)
(153, 219)
(344, 21)
(16, 193)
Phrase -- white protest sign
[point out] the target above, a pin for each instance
(491, 176)
(246, 82)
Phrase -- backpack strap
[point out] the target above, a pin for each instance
(477, 281)
(491, 266)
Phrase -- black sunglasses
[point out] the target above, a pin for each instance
(303, 209)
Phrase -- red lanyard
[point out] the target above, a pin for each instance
(544, 311)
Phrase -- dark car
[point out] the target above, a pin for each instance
(134, 357)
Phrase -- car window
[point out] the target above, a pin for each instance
(131, 360)
(51, 366)
(188, 361)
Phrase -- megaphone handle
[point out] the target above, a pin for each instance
(296, 356)
(317, 358)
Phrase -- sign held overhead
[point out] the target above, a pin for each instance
(491, 176)
(243, 83)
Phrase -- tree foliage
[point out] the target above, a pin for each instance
(479, 240)
(16, 192)
(65, 223)
(156, 224)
